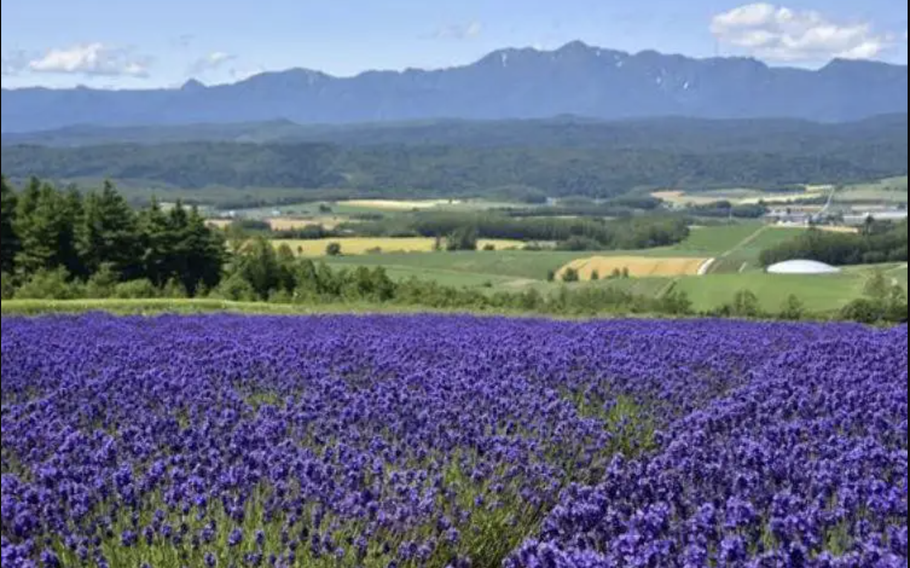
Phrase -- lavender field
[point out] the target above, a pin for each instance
(451, 442)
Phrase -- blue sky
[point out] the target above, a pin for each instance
(144, 44)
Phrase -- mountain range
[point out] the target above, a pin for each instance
(576, 79)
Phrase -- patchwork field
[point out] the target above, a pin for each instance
(635, 266)
(367, 245)
(888, 191)
(434, 442)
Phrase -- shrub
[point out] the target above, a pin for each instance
(746, 305)
(103, 283)
(334, 249)
(571, 275)
(462, 239)
(863, 310)
(489, 247)
(8, 288)
(551, 276)
(50, 285)
(281, 297)
(136, 290)
(174, 289)
(595, 276)
(236, 289)
(793, 309)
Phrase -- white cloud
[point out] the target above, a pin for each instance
(211, 62)
(781, 34)
(471, 30)
(92, 59)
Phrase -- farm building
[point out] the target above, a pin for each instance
(802, 267)
(890, 215)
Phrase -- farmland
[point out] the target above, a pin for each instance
(634, 266)
(430, 441)
(363, 245)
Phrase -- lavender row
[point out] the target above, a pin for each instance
(445, 441)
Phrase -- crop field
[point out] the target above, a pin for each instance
(368, 245)
(889, 191)
(440, 441)
(636, 266)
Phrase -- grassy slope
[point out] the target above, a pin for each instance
(819, 293)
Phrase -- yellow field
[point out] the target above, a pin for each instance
(365, 245)
(826, 228)
(396, 205)
(639, 267)
(292, 224)
(218, 223)
(739, 197)
(682, 198)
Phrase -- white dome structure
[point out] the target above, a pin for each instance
(802, 267)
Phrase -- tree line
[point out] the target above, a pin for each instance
(637, 232)
(444, 170)
(86, 236)
(878, 242)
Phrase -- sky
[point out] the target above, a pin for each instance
(163, 43)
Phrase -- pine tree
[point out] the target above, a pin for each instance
(9, 240)
(157, 242)
(45, 222)
(109, 233)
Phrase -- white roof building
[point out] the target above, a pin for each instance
(803, 267)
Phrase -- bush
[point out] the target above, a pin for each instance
(281, 297)
(571, 275)
(746, 305)
(551, 276)
(863, 311)
(793, 309)
(334, 249)
(174, 289)
(595, 276)
(489, 247)
(50, 285)
(8, 288)
(103, 283)
(675, 303)
(136, 290)
(462, 239)
(236, 289)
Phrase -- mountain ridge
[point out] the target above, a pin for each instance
(511, 83)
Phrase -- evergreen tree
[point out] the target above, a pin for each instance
(45, 222)
(258, 264)
(109, 233)
(204, 252)
(8, 240)
(158, 243)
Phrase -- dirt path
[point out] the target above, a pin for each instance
(706, 266)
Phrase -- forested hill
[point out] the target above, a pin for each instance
(677, 134)
(512, 83)
(552, 158)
